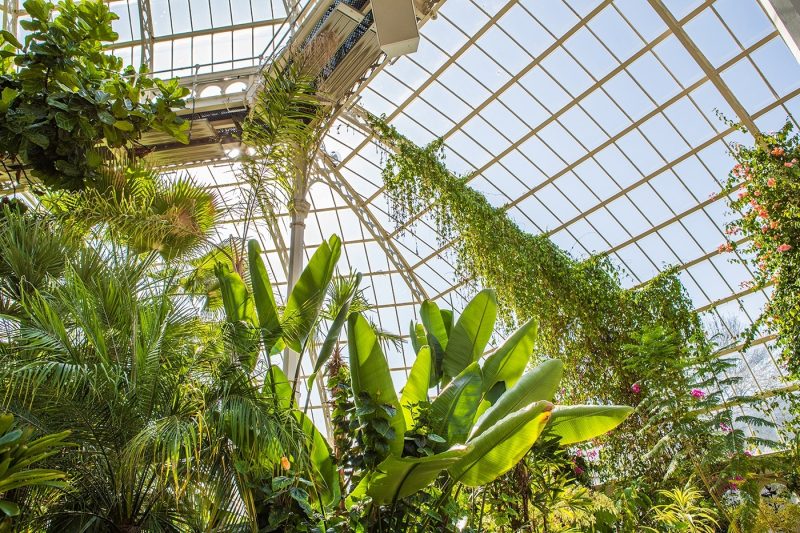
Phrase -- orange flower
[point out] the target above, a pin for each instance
(771, 182)
(777, 151)
(285, 464)
(773, 224)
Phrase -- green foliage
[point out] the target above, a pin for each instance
(18, 452)
(141, 209)
(283, 130)
(67, 95)
(767, 230)
(542, 493)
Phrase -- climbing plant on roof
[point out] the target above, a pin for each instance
(767, 233)
(585, 315)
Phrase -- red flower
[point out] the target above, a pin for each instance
(784, 247)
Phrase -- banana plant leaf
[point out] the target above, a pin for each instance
(453, 411)
(235, 296)
(416, 389)
(540, 383)
(508, 363)
(369, 373)
(417, 335)
(266, 308)
(399, 477)
(496, 451)
(447, 320)
(578, 423)
(470, 335)
(304, 302)
(434, 323)
(240, 314)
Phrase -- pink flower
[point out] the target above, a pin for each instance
(698, 394)
(578, 470)
(579, 453)
(742, 194)
(764, 229)
(756, 193)
(636, 388)
(788, 164)
(748, 453)
(592, 454)
(784, 247)
(771, 182)
(725, 427)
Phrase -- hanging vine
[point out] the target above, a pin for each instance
(585, 316)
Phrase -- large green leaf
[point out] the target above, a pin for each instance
(398, 477)
(276, 382)
(434, 323)
(304, 302)
(501, 447)
(509, 361)
(417, 334)
(326, 474)
(240, 313)
(235, 296)
(540, 383)
(471, 333)
(577, 423)
(267, 309)
(453, 411)
(369, 373)
(416, 389)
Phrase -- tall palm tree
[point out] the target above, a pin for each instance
(103, 344)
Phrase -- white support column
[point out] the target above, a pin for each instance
(785, 14)
(300, 209)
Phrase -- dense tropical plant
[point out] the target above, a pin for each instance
(543, 492)
(63, 95)
(165, 417)
(19, 452)
(482, 422)
(259, 327)
(766, 232)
